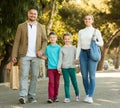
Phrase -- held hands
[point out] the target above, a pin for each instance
(76, 62)
(43, 57)
(39, 54)
(60, 71)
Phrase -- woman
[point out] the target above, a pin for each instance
(87, 65)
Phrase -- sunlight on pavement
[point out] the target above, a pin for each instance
(108, 101)
(16, 107)
(113, 74)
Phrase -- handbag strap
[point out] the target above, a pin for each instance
(94, 33)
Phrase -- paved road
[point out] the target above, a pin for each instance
(107, 94)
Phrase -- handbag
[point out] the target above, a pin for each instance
(95, 52)
(14, 77)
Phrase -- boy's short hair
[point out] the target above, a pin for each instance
(67, 34)
(52, 33)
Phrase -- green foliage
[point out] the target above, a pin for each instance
(12, 12)
(69, 17)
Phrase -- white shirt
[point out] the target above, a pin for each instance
(32, 29)
(84, 39)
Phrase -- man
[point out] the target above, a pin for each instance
(30, 42)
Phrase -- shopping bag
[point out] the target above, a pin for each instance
(8, 66)
(77, 69)
(14, 77)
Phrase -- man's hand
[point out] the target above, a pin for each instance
(39, 54)
(14, 60)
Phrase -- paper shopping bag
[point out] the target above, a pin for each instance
(14, 77)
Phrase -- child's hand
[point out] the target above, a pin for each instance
(44, 57)
(59, 71)
(76, 62)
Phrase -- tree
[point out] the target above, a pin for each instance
(12, 13)
(115, 51)
(107, 25)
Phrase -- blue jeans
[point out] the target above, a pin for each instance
(88, 70)
(28, 65)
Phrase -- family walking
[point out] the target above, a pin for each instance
(30, 45)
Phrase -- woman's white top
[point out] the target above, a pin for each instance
(84, 39)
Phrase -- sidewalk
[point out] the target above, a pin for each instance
(107, 94)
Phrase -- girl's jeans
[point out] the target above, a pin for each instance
(88, 70)
(68, 74)
(28, 65)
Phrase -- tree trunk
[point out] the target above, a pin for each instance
(117, 58)
(5, 60)
(105, 48)
(103, 54)
(52, 15)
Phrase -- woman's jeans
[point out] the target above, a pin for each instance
(53, 84)
(68, 74)
(28, 65)
(88, 70)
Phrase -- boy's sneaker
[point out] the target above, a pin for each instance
(50, 101)
(32, 100)
(22, 100)
(77, 98)
(56, 100)
(66, 100)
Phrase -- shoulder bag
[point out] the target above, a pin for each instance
(95, 52)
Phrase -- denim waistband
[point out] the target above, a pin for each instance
(85, 49)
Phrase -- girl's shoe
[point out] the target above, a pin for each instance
(66, 100)
(77, 98)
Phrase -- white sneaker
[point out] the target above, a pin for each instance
(66, 100)
(90, 100)
(86, 98)
(77, 98)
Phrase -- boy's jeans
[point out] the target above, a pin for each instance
(88, 70)
(28, 65)
(53, 84)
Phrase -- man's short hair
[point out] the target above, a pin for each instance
(30, 8)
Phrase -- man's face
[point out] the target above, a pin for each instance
(32, 15)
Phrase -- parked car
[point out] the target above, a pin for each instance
(106, 65)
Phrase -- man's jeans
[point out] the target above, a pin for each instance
(88, 70)
(28, 65)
